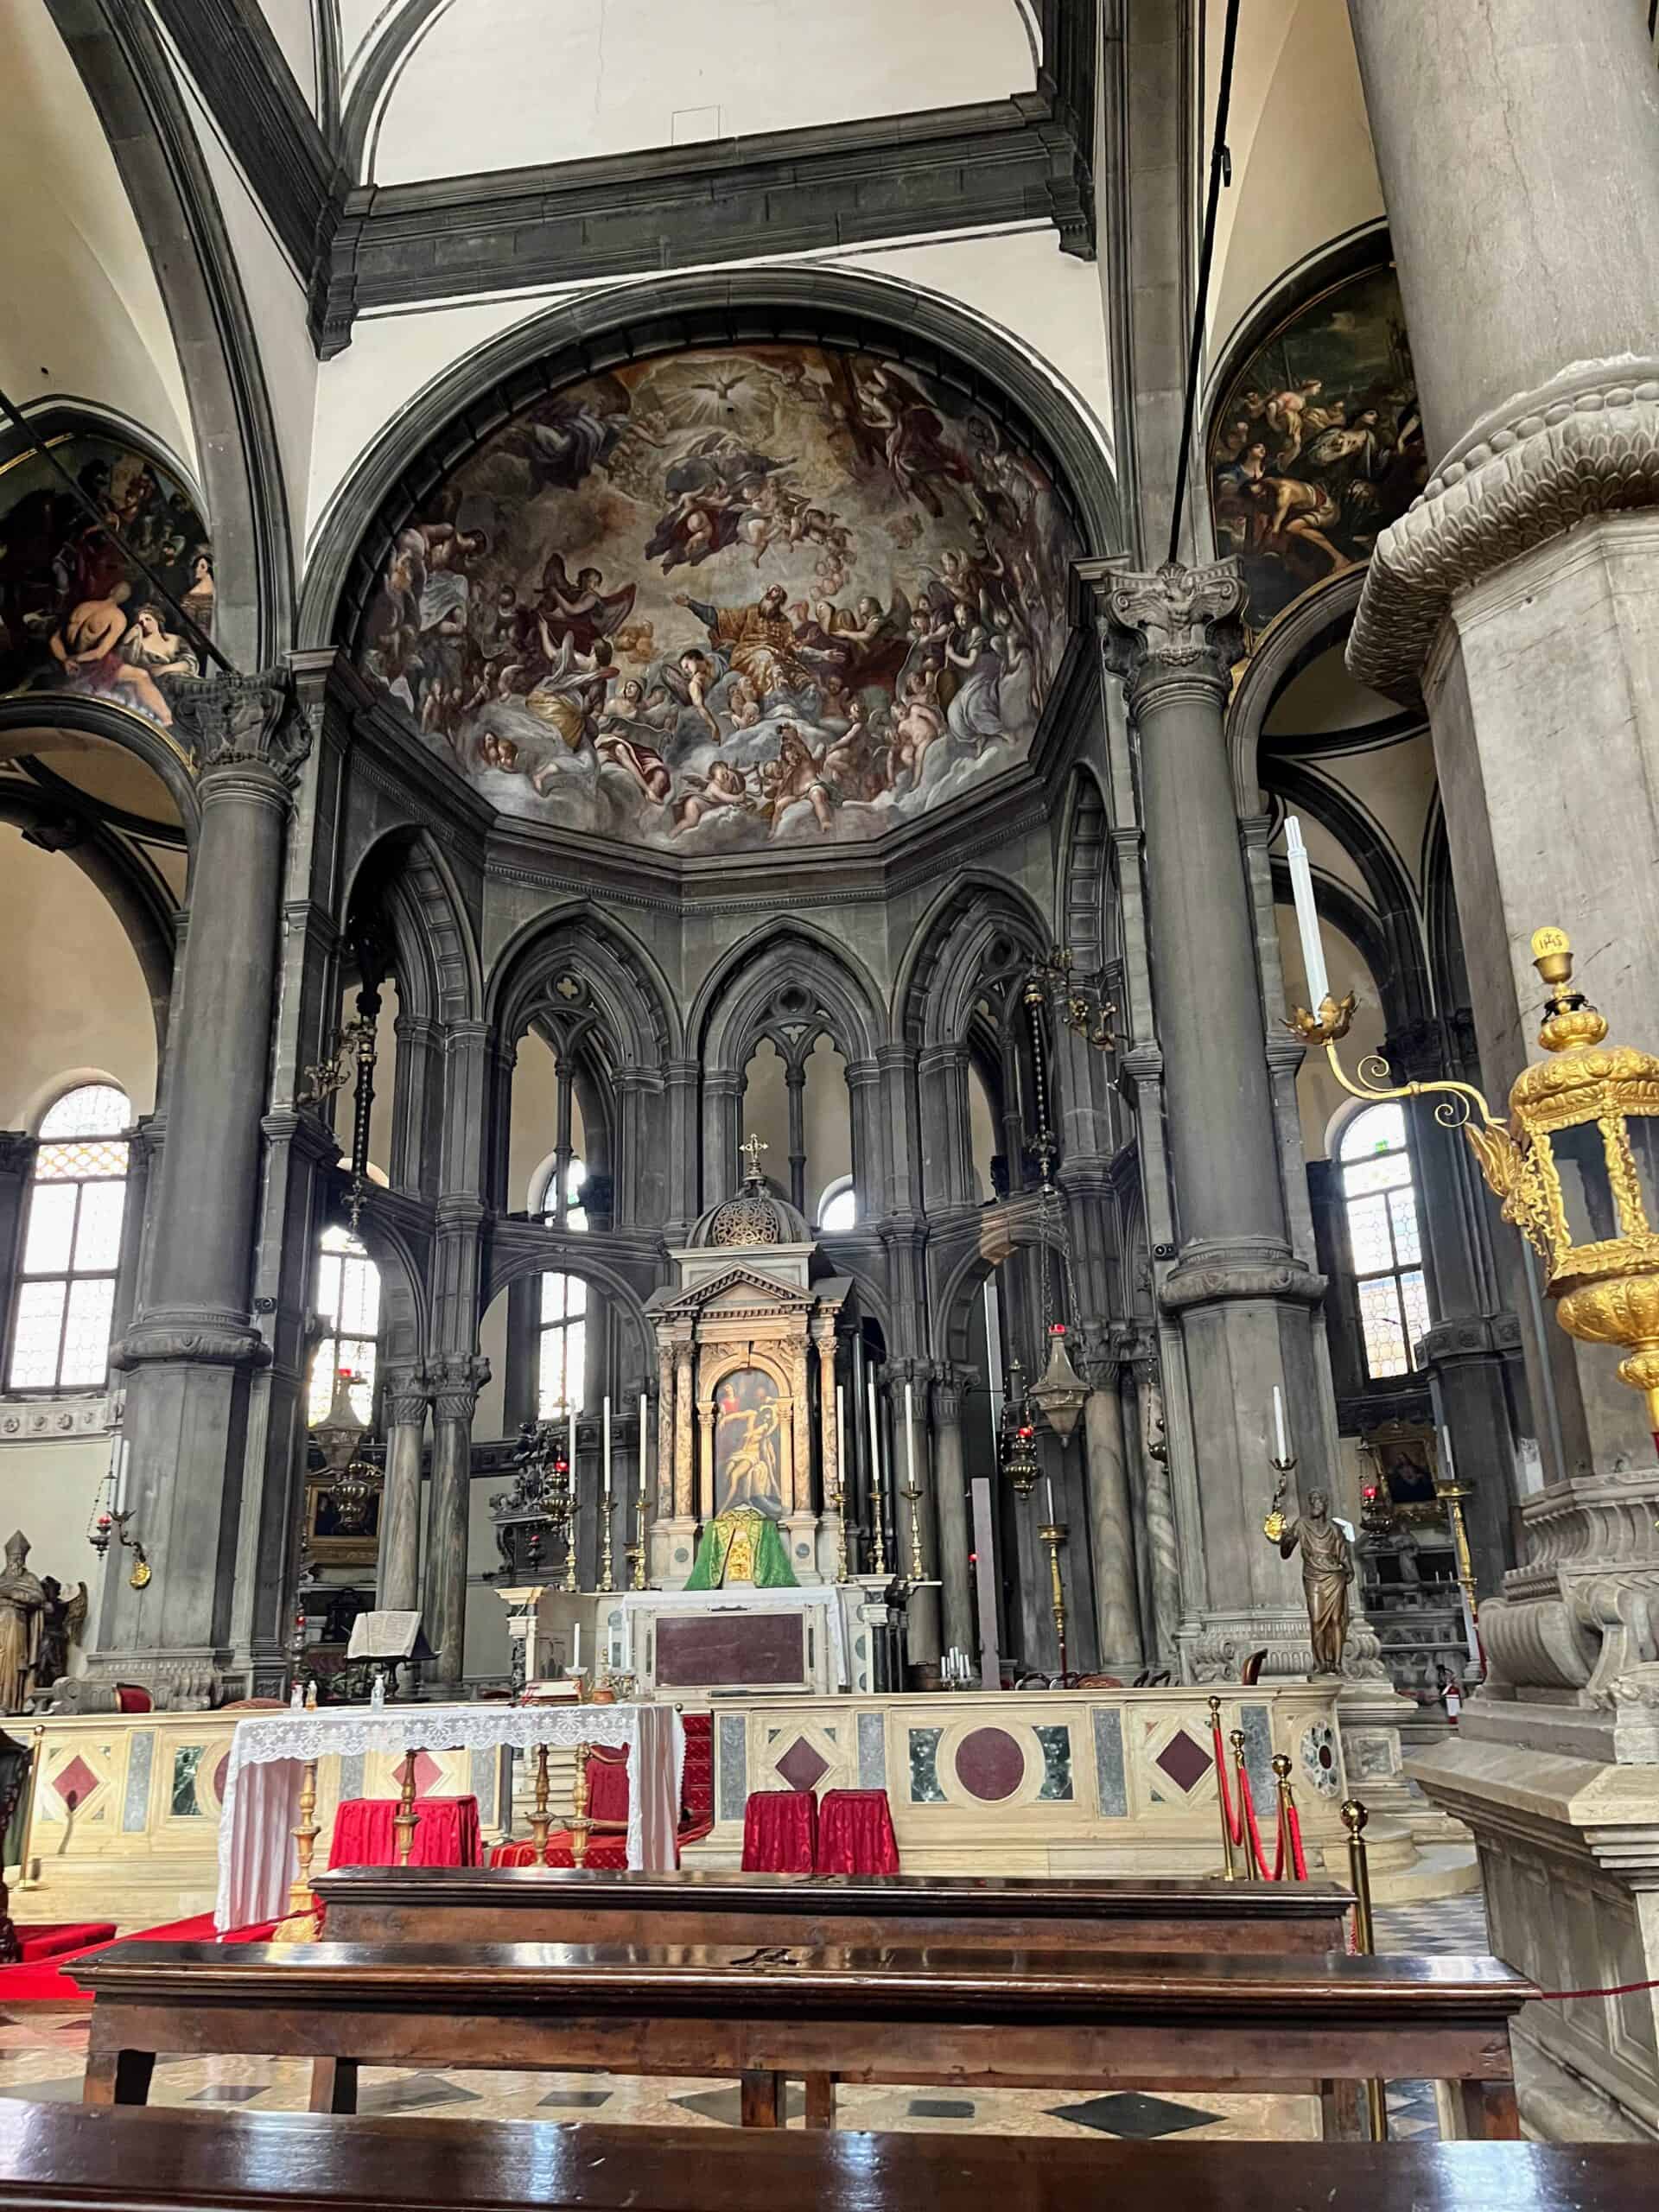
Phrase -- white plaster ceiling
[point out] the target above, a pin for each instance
(1303, 171)
(80, 312)
(486, 84)
(293, 25)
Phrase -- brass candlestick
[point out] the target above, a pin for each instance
(879, 1533)
(299, 1925)
(571, 1584)
(1054, 1534)
(637, 1549)
(917, 1568)
(607, 1579)
(541, 1818)
(1453, 1495)
(406, 1820)
(844, 1572)
(581, 1825)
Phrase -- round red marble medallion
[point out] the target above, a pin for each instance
(990, 1765)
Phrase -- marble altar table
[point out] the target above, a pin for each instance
(270, 1750)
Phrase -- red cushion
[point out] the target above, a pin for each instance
(128, 1698)
(607, 1786)
(609, 1851)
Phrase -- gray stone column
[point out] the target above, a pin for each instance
(189, 1354)
(1519, 597)
(950, 1494)
(455, 1381)
(1243, 1299)
(1111, 1527)
(407, 1395)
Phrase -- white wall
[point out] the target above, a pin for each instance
(294, 30)
(503, 84)
(80, 311)
(46, 1489)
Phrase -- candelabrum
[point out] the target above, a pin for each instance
(636, 1553)
(879, 1526)
(114, 1524)
(1451, 1495)
(913, 1494)
(838, 1503)
(607, 1576)
(1054, 1534)
(1273, 1527)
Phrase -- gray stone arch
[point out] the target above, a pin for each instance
(1087, 905)
(628, 988)
(945, 961)
(405, 877)
(1300, 636)
(731, 1009)
(586, 1258)
(1002, 1241)
(405, 1306)
(158, 749)
(129, 79)
(837, 308)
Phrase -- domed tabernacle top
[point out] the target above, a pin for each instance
(757, 1216)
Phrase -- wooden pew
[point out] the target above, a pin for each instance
(536, 1904)
(77, 2161)
(1004, 2019)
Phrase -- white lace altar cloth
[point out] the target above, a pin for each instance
(268, 1752)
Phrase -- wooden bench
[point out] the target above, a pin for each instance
(78, 2161)
(996, 2019)
(524, 1904)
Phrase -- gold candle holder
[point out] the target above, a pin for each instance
(880, 1531)
(581, 1825)
(541, 1818)
(1054, 1534)
(571, 1585)
(1452, 1494)
(838, 1500)
(607, 1576)
(406, 1820)
(917, 1568)
(300, 1923)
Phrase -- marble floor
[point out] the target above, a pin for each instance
(42, 2051)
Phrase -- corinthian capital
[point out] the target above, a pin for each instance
(1176, 622)
(455, 1380)
(244, 721)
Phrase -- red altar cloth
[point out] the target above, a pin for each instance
(855, 1834)
(780, 1832)
(446, 1834)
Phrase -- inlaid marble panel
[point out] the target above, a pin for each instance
(1110, 1787)
(872, 1751)
(135, 1806)
(732, 1764)
(924, 1788)
(1055, 1744)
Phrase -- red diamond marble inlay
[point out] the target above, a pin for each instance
(73, 1782)
(801, 1766)
(427, 1772)
(1184, 1761)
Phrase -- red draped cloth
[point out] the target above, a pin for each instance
(855, 1834)
(780, 1832)
(446, 1834)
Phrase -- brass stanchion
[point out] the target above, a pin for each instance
(581, 1825)
(540, 1819)
(1354, 1817)
(406, 1820)
(1286, 1859)
(298, 1924)
(1229, 1872)
(1241, 1784)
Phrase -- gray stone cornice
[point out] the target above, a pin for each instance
(1587, 444)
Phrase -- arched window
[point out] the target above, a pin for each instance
(1381, 1204)
(71, 1243)
(562, 1335)
(347, 1297)
(838, 1207)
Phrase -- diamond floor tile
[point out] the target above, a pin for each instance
(416, 2092)
(1131, 2113)
(727, 2105)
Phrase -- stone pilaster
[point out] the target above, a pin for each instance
(950, 1494)
(1111, 1525)
(455, 1381)
(189, 1354)
(1245, 1302)
(408, 1394)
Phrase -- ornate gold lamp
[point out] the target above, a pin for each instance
(1577, 1163)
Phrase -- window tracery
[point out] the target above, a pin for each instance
(72, 1243)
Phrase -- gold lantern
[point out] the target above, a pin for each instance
(1576, 1166)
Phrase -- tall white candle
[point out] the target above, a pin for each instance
(1048, 1484)
(1308, 915)
(910, 1437)
(1280, 1437)
(575, 1662)
(120, 1483)
(875, 1440)
(606, 1424)
(841, 1437)
(645, 1441)
(571, 1454)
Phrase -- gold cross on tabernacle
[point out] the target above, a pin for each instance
(752, 1147)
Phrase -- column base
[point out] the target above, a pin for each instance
(673, 1552)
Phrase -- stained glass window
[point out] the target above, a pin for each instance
(71, 1243)
(1384, 1239)
(561, 1338)
(345, 1294)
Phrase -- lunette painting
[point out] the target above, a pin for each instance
(75, 614)
(730, 598)
(1318, 444)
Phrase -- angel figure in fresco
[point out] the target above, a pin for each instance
(581, 611)
(912, 436)
(726, 788)
(796, 774)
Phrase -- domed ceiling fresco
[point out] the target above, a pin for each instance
(730, 598)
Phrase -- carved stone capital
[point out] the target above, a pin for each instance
(243, 722)
(455, 1383)
(1175, 622)
(1586, 444)
(408, 1394)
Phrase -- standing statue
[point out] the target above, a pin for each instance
(22, 1602)
(1327, 1572)
(61, 1625)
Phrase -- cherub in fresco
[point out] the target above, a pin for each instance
(688, 679)
(725, 788)
(850, 766)
(917, 726)
(796, 774)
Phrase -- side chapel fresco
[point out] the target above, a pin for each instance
(730, 598)
(75, 614)
(1318, 444)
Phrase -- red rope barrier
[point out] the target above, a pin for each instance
(1248, 1803)
(1293, 1821)
(1235, 1822)
(1618, 1989)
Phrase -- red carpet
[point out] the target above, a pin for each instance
(49, 1937)
(44, 1977)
